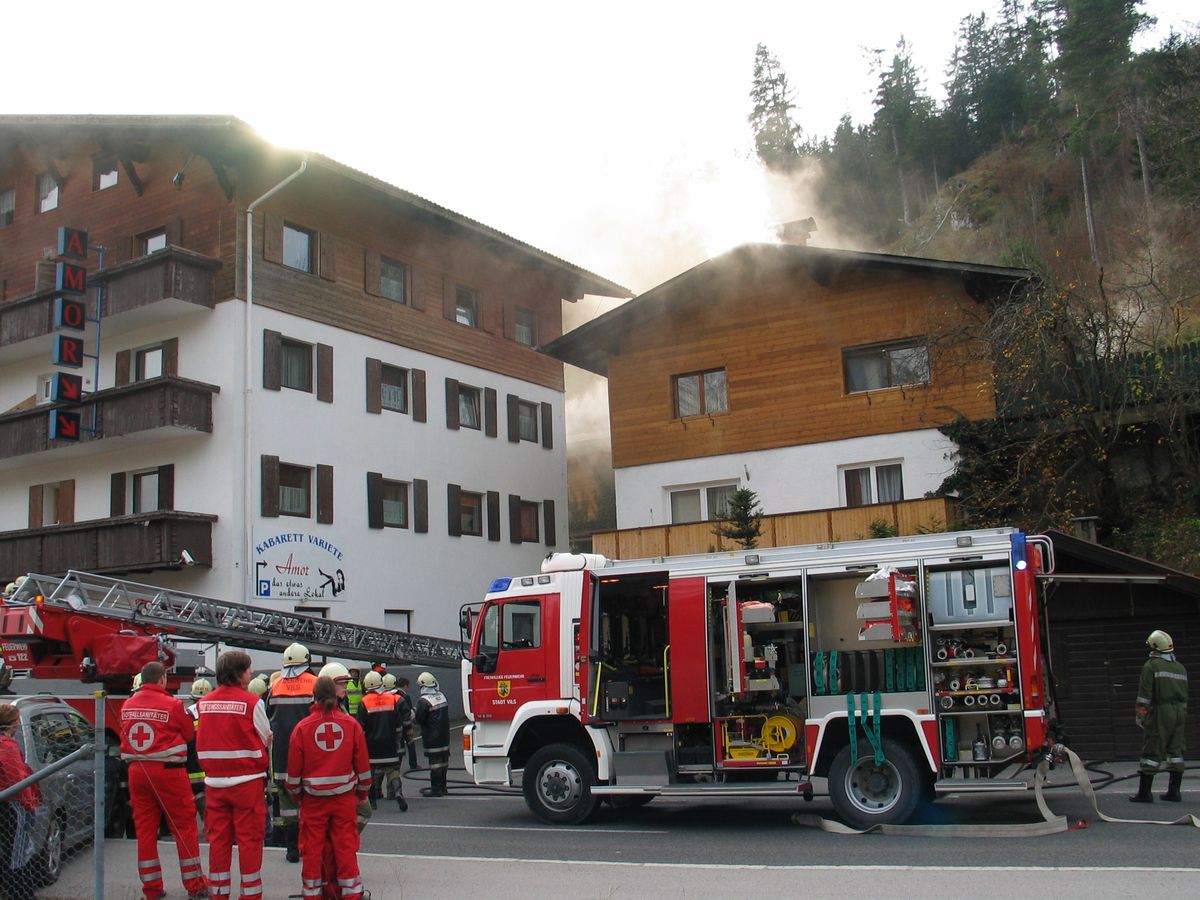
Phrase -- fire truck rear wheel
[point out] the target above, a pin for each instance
(867, 794)
(558, 785)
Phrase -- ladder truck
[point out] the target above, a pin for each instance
(99, 630)
(896, 668)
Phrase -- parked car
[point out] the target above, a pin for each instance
(49, 730)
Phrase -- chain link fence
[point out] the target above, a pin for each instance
(54, 821)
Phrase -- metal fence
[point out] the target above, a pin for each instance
(54, 821)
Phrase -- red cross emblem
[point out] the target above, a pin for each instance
(141, 736)
(329, 736)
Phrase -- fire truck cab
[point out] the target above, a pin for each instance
(896, 668)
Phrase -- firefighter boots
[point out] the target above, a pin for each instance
(1146, 780)
(403, 804)
(1172, 794)
(292, 836)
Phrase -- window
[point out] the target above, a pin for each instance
(466, 306)
(468, 407)
(701, 393)
(104, 174)
(46, 193)
(298, 246)
(152, 241)
(700, 504)
(393, 280)
(296, 365)
(393, 388)
(294, 491)
(527, 421)
(528, 520)
(148, 363)
(395, 504)
(471, 514)
(522, 627)
(526, 327)
(873, 483)
(44, 385)
(8, 206)
(144, 488)
(886, 365)
(398, 619)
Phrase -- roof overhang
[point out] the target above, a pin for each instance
(590, 345)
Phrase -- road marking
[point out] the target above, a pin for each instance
(762, 868)
(542, 830)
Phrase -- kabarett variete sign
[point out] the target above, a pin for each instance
(299, 565)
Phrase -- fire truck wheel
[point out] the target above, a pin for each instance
(867, 794)
(558, 785)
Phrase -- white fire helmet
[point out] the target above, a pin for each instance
(1160, 641)
(426, 679)
(296, 655)
(389, 681)
(258, 685)
(372, 681)
(137, 681)
(200, 687)
(336, 671)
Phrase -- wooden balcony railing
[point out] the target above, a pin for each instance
(137, 293)
(812, 527)
(150, 410)
(141, 543)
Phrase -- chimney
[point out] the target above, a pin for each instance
(796, 232)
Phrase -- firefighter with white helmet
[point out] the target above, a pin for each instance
(341, 680)
(258, 685)
(389, 682)
(380, 718)
(433, 715)
(1161, 712)
(288, 702)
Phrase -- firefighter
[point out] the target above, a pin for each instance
(407, 714)
(155, 731)
(433, 715)
(328, 774)
(341, 679)
(354, 690)
(288, 702)
(200, 687)
(258, 685)
(232, 744)
(1161, 712)
(379, 716)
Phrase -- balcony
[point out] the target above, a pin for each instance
(146, 542)
(153, 410)
(155, 288)
(816, 526)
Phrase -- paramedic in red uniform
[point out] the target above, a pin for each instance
(329, 774)
(232, 745)
(155, 730)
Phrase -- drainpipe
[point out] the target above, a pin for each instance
(248, 388)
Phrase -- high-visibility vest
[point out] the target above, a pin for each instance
(354, 695)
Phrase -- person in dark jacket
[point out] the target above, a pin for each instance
(433, 715)
(408, 715)
(1161, 712)
(380, 719)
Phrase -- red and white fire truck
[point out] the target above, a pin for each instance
(897, 668)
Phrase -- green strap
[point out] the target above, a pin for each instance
(835, 678)
(871, 726)
(889, 666)
(852, 726)
(910, 672)
(819, 673)
(919, 657)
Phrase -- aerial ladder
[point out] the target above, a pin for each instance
(75, 609)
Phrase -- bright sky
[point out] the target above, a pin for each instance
(613, 135)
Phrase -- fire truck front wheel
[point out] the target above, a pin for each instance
(867, 793)
(558, 785)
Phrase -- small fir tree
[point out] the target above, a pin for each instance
(742, 521)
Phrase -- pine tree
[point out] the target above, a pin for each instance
(742, 521)
(776, 135)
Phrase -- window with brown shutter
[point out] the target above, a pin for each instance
(52, 503)
(325, 494)
(272, 360)
(420, 505)
(324, 373)
(124, 366)
(419, 412)
(166, 486)
(374, 381)
(489, 412)
(493, 515)
(270, 487)
(116, 499)
(374, 499)
(548, 519)
(547, 426)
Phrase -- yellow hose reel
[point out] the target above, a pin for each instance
(781, 732)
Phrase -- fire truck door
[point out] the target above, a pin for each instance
(520, 641)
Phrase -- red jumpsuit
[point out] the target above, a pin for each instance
(155, 730)
(231, 746)
(328, 768)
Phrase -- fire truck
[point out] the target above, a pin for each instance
(62, 631)
(898, 669)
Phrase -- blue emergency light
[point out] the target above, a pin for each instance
(500, 584)
(1019, 552)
